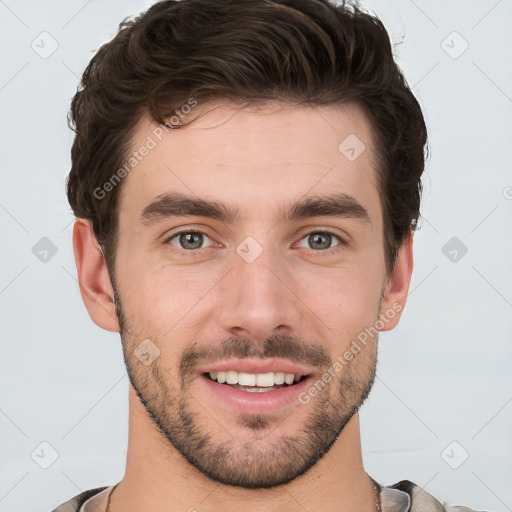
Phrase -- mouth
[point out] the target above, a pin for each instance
(254, 386)
(255, 382)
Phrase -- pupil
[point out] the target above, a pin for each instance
(188, 238)
(315, 238)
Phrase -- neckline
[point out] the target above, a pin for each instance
(390, 499)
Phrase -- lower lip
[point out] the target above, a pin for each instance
(255, 402)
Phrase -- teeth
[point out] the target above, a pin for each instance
(231, 378)
(247, 379)
(279, 377)
(263, 380)
(289, 378)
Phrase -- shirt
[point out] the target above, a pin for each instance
(399, 497)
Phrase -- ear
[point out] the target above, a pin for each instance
(93, 279)
(397, 287)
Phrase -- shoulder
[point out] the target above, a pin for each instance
(422, 501)
(74, 504)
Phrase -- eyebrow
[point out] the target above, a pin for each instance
(169, 205)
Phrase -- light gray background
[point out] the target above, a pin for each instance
(444, 374)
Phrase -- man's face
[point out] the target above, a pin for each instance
(262, 293)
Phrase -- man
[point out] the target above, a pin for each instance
(246, 176)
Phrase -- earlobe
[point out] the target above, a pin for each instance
(397, 287)
(94, 281)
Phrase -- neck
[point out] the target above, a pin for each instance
(157, 478)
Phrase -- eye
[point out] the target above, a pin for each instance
(319, 241)
(322, 240)
(188, 240)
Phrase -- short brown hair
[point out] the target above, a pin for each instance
(309, 51)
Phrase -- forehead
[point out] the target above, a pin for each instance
(255, 157)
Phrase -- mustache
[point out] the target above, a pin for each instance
(277, 346)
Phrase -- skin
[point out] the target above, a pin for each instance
(305, 456)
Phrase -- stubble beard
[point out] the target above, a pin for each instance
(254, 464)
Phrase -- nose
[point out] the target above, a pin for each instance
(258, 299)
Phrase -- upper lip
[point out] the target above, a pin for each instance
(256, 366)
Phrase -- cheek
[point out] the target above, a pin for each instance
(158, 299)
(346, 300)
(156, 307)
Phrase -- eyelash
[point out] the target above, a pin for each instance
(197, 252)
